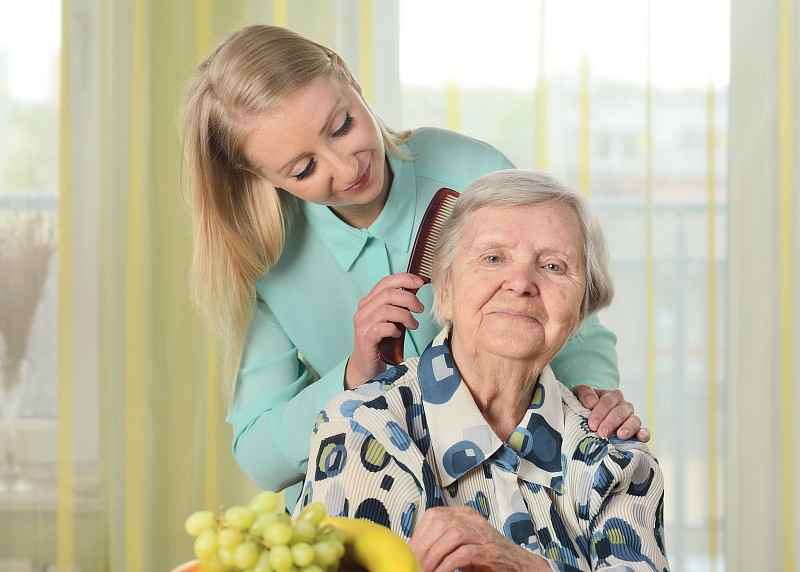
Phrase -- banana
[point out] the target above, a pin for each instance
(374, 546)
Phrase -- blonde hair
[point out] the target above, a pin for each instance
(239, 219)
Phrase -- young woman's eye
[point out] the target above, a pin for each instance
(345, 128)
(306, 172)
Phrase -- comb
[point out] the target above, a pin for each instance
(420, 263)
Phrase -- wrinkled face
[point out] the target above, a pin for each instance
(322, 145)
(517, 283)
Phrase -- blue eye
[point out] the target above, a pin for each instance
(553, 266)
(345, 128)
(492, 259)
(306, 172)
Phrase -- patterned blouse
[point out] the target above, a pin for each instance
(413, 438)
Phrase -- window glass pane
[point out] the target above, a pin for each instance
(29, 137)
(29, 98)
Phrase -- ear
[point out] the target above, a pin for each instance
(339, 62)
(444, 298)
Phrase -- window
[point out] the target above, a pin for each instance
(29, 115)
(30, 191)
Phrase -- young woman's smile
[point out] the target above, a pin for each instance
(322, 145)
(361, 183)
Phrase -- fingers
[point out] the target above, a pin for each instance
(458, 538)
(388, 304)
(587, 395)
(393, 282)
(468, 557)
(379, 318)
(610, 413)
(374, 323)
(607, 400)
(629, 427)
(427, 533)
(440, 531)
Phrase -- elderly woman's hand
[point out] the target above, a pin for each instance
(458, 538)
(387, 304)
(610, 412)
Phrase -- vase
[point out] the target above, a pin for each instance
(11, 394)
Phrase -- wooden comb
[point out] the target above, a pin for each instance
(420, 263)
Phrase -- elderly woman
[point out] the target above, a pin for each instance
(474, 451)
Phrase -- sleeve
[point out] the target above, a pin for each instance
(354, 475)
(627, 533)
(589, 357)
(276, 403)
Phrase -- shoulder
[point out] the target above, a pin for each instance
(453, 158)
(597, 468)
(427, 139)
(389, 392)
(576, 430)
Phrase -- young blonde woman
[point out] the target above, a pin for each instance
(305, 206)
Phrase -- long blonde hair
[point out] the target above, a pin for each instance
(239, 219)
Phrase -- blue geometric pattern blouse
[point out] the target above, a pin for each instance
(413, 438)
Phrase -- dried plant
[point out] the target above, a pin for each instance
(27, 244)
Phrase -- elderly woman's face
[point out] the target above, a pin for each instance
(517, 282)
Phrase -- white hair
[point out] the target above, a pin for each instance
(514, 188)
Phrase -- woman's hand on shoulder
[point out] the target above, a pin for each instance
(611, 412)
(458, 538)
(387, 304)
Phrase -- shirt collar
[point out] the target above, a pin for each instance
(462, 440)
(538, 437)
(394, 225)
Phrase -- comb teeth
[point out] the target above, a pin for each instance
(430, 228)
(421, 261)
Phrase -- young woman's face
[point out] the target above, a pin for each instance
(322, 145)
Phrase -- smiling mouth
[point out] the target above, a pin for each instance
(515, 315)
(361, 183)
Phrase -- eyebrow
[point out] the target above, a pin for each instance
(325, 125)
(329, 117)
(492, 243)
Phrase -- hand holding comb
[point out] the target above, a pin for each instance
(437, 213)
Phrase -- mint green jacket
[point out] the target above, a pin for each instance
(301, 334)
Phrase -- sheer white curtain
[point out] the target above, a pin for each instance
(628, 101)
(763, 309)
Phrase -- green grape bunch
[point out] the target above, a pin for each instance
(262, 537)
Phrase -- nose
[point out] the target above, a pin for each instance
(344, 169)
(521, 278)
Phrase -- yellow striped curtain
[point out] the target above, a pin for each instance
(167, 450)
(686, 147)
(164, 446)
